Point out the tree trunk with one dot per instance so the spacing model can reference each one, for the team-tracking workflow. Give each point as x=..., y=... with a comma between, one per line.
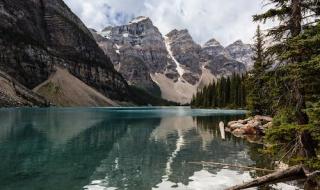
x=301, y=116
x=307, y=145
x=292, y=173
x=296, y=18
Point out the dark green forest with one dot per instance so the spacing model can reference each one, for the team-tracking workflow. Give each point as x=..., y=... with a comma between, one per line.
x=285, y=82
x=226, y=92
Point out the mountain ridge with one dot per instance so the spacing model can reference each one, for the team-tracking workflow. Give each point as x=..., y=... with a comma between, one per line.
x=174, y=59
x=39, y=35
x=123, y=63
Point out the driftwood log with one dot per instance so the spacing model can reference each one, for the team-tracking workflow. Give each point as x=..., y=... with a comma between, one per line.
x=292, y=173
x=222, y=131
x=231, y=166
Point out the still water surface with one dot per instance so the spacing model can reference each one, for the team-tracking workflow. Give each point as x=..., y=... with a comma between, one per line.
x=122, y=148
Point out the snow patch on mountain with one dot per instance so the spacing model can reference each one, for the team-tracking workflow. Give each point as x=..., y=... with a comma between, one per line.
x=180, y=70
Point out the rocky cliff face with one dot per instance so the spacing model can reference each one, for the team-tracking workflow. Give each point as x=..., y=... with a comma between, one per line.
x=213, y=48
x=174, y=63
x=36, y=35
x=218, y=60
x=137, y=50
x=186, y=54
x=108, y=47
x=140, y=38
x=242, y=53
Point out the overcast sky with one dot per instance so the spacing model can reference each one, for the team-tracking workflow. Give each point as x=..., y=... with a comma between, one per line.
x=224, y=20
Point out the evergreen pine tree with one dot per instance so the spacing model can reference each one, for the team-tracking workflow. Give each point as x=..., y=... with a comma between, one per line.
x=291, y=14
x=257, y=100
x=289, y=89
x=228, y=88
x=243, y=92
x=225, y=92
x=233, y=90
x=214, y=95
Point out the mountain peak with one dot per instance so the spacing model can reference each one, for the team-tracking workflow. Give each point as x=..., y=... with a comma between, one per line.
x=177, y=32
x=212, y=42
x=139, y=19
x=241, y=52
x=238, y=42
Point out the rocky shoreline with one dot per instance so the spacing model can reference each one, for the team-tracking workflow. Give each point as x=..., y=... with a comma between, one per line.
x=252, y=128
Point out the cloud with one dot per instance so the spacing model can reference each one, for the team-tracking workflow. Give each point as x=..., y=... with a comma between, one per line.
x=226, y=21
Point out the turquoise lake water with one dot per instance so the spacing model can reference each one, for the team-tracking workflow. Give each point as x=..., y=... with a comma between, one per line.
x=122, y=148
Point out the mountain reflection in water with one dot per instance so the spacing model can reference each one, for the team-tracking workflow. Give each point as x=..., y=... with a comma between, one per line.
x=131, y=148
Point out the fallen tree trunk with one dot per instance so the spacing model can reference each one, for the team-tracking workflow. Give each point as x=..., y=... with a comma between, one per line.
x=232, y=166
x=292, y=173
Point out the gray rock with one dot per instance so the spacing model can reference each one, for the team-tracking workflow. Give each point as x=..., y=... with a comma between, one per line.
x=137, y=51
x=218, y=60
x=136, y=72
x=231, y=123
x=253, y=124
x=142, y=39
x=263, y=118
x=38, y=34
x=250, y=126
x=236, y=126
x=186, y=52
x=213, y=48
x=176, y=55
x=108, y=47
x=239, y=132
x=242, y=53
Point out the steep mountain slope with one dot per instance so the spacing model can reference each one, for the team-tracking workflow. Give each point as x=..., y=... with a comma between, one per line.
x=37, y=35
x=185, y=52
x=138, y=51
x=13, y=94
x=175, y=64
x=63, y=89
x=218, y=60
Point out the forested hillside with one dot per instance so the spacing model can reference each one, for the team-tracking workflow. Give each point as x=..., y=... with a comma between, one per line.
x=227, y=92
